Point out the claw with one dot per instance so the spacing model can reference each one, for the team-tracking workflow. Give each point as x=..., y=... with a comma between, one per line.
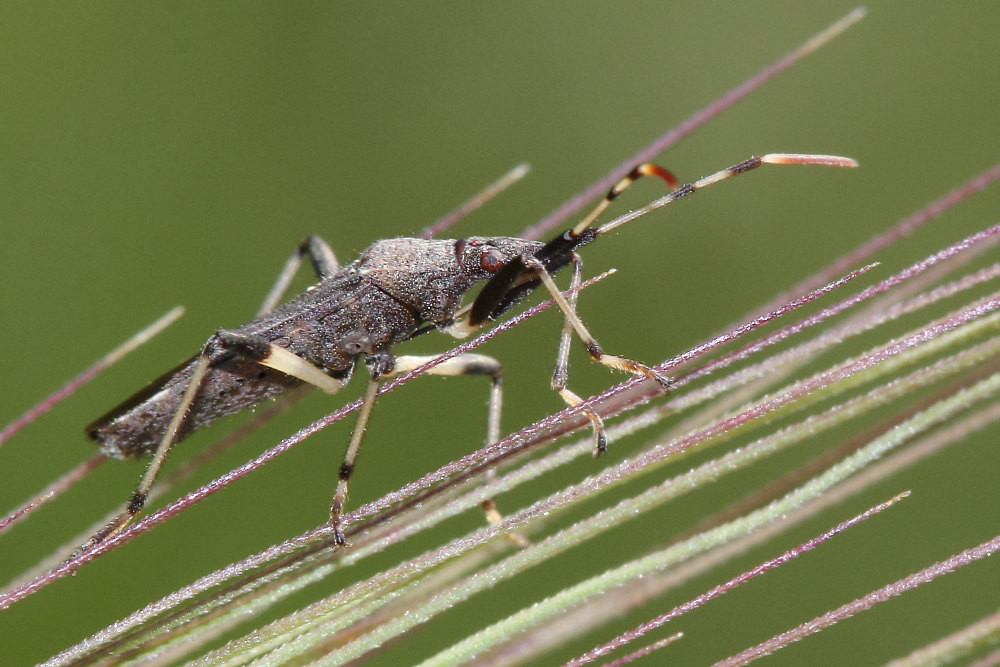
x=642, y=369
x=113, y=527
x=602, y=439
x=662, y=380
x=339, y=538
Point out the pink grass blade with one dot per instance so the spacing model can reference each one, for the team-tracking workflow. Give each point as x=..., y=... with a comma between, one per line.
x=881, y=241
x=53, y=490
x=163, y=486
x=90, y=373
x=630, y=596
x=474, y=202
x=645, y=650
x=558, y=603
x=858, y=605
x=756, y=323
x=735, y=582
x=826, y=313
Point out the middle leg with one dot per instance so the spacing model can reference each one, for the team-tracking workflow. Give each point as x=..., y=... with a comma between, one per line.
x=463, y=364
x=474, y=364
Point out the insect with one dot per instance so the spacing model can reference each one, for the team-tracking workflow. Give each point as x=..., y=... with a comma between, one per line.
x=356, y=314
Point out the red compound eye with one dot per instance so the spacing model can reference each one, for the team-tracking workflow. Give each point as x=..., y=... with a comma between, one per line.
x=491, y=260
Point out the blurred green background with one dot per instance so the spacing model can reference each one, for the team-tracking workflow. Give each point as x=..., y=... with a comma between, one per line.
x=175, y=153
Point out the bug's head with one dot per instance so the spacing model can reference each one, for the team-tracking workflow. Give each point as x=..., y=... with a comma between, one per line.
x=481, y=257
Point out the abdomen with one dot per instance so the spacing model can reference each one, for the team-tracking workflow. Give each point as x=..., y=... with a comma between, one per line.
x=134, y=428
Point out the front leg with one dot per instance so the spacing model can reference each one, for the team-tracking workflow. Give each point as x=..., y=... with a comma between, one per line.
x=462, y=364
x=574, y=323
x=473, y=364
x=594, y=348
x=560, y=374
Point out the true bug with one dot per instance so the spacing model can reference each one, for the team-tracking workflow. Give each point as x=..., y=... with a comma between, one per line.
x=397, y=289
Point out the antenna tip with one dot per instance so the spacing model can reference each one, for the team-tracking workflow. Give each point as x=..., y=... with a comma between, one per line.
x=797, y=158
x=520, y=171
